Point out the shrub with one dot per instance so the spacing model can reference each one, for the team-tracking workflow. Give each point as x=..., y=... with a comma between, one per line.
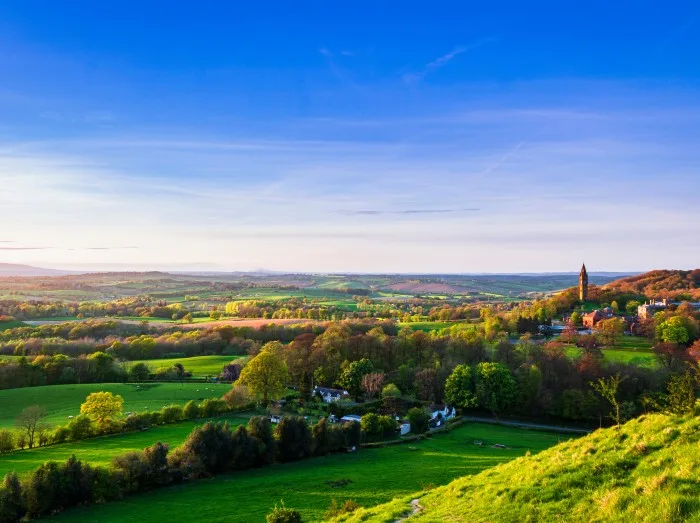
x=283, y=514
x=80, y=427
x=12, y=505
x=171, y=413
x=337, y=509
x=212, y=407
x=190, y=410
x=7, y=442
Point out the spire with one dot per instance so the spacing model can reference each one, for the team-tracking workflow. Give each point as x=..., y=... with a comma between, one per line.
x=583, y=269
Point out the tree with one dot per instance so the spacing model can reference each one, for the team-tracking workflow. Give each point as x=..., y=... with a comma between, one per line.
x=294, y=438
x=611, y=330
x=576, y=319
x=419, y=420
x=459, y=388
x=608, y=388
x=495, y=386
x=681, y=393
x=237, y=397
x=351, y=377
x=426, y=384
x=391, y=391
x=671, y=355
x=139, y=372
x=631, y=306
x=674, y=330
x=372, y=384
x=12, y=503
x=266, y=374
x=29, y=420
x=102, y=407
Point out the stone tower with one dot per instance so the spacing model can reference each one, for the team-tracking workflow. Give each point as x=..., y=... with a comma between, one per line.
x=583, y=284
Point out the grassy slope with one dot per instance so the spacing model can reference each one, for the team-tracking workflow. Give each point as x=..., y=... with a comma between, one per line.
x=100, y=451
x=199, y=366
x=62, y=401
x=646, y=471
x=377, y=476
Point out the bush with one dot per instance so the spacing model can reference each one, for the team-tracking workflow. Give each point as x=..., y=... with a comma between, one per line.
x=212, y=407
x=81, y=427
x=283, y=515
x=171, y=413
x=260, y=428
x=337, y=509
x=12, y=506
x=7, y=442
x=191, y=410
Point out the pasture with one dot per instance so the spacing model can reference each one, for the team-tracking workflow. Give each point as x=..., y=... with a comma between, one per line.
x=100, y=451
x=369, y=477
x=62, y=401
x=199, y=366
x=643, y=358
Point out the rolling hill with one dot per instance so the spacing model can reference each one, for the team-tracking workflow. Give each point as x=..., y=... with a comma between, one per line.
x=645, y=471
x=660, y=284
x=15, y=269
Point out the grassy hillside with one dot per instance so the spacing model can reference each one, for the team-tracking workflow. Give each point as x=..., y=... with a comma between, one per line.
x=62, y=401
x=646, y=471
x=369, y=477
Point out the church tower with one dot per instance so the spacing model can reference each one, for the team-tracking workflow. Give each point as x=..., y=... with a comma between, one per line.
x=583, y=284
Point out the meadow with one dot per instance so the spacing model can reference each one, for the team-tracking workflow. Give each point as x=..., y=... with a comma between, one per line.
x=199, y=366
x=369, y=477
x=62, y=401
x=101, y=450
x=628, y=349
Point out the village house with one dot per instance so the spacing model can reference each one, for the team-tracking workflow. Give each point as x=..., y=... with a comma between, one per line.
x=331, y=395
x=592, y=318
x=439, y=414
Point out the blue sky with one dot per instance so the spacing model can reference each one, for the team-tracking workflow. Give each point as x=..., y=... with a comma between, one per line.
x=309, y=136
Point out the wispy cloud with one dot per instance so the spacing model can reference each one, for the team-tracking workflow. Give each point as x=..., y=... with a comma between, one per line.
x=24, y=248
x=442, y=61
x=374, y=212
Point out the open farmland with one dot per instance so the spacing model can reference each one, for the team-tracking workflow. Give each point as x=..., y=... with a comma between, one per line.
x=373, y=476
x=199, y=366
x=100, y=451
x=62, y=401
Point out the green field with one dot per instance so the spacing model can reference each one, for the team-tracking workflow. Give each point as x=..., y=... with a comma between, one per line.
x=427, y=326
x=375, y=476
x=199, y=366
x=641, y=358
x=100, y=451
x=11, y=325
x=62, y=401
x=629, y=349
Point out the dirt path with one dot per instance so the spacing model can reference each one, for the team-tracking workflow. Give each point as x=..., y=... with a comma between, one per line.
x=415, y=509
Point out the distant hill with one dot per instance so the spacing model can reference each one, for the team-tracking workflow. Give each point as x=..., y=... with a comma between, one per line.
x=13, y=269
x=660, y=284
x=646, y=471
